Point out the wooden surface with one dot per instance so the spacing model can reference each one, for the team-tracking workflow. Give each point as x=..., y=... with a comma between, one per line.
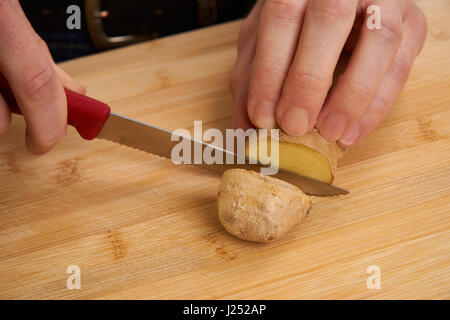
x=140, y=227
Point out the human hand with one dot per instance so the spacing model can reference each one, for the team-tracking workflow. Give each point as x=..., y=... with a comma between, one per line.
x=288, y=51
x=36, y=81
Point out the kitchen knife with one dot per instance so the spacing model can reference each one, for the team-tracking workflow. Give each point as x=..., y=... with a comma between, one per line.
x=94, y=119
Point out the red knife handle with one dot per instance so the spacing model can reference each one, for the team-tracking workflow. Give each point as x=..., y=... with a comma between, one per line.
x=87, y=115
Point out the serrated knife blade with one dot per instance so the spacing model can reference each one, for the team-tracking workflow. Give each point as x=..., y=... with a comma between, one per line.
x=155, y=140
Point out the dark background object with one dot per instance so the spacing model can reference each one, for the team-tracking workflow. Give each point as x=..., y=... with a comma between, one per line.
x=115, y=18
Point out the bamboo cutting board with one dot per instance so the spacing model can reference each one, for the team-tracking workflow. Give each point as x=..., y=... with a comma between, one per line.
x=140, y=227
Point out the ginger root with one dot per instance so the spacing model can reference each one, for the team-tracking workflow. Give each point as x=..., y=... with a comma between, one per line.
x=310, y=155
x=259, y=208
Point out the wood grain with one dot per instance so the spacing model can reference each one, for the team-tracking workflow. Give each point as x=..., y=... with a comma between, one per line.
x=140, y=227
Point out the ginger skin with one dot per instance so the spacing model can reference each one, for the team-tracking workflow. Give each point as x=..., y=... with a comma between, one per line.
x=259, y=208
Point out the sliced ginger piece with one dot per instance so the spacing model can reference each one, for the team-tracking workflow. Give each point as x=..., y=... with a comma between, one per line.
x=310, y=155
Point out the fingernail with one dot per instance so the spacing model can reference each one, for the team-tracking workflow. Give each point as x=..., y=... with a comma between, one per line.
x=295, y=121
x=351, y=137
x=265, y=115
x=332, y=127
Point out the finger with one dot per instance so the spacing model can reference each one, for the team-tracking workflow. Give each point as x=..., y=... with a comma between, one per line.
x=357, y=87
x=327, y=25
x=353, y=37
x=240, y=83
x=34, y=82
x=66, y=80
x=248, y=32
x=239, y=78
x=5, y=115
x=394, y=80
x=278, y=34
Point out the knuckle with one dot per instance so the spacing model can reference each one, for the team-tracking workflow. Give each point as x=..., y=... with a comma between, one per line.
x=307, y=88
x=39, y=83
x=378, y=109
x=48, y=140
x=266, y=73
x=421, y=24
x=401, y=67
x=422, y=21
x=380, y=103
x=265, y=86
x=285, y=10
x=391, y=28
x=358, y=89
x=419, y=18
x=312, y=80
x=331, y=11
